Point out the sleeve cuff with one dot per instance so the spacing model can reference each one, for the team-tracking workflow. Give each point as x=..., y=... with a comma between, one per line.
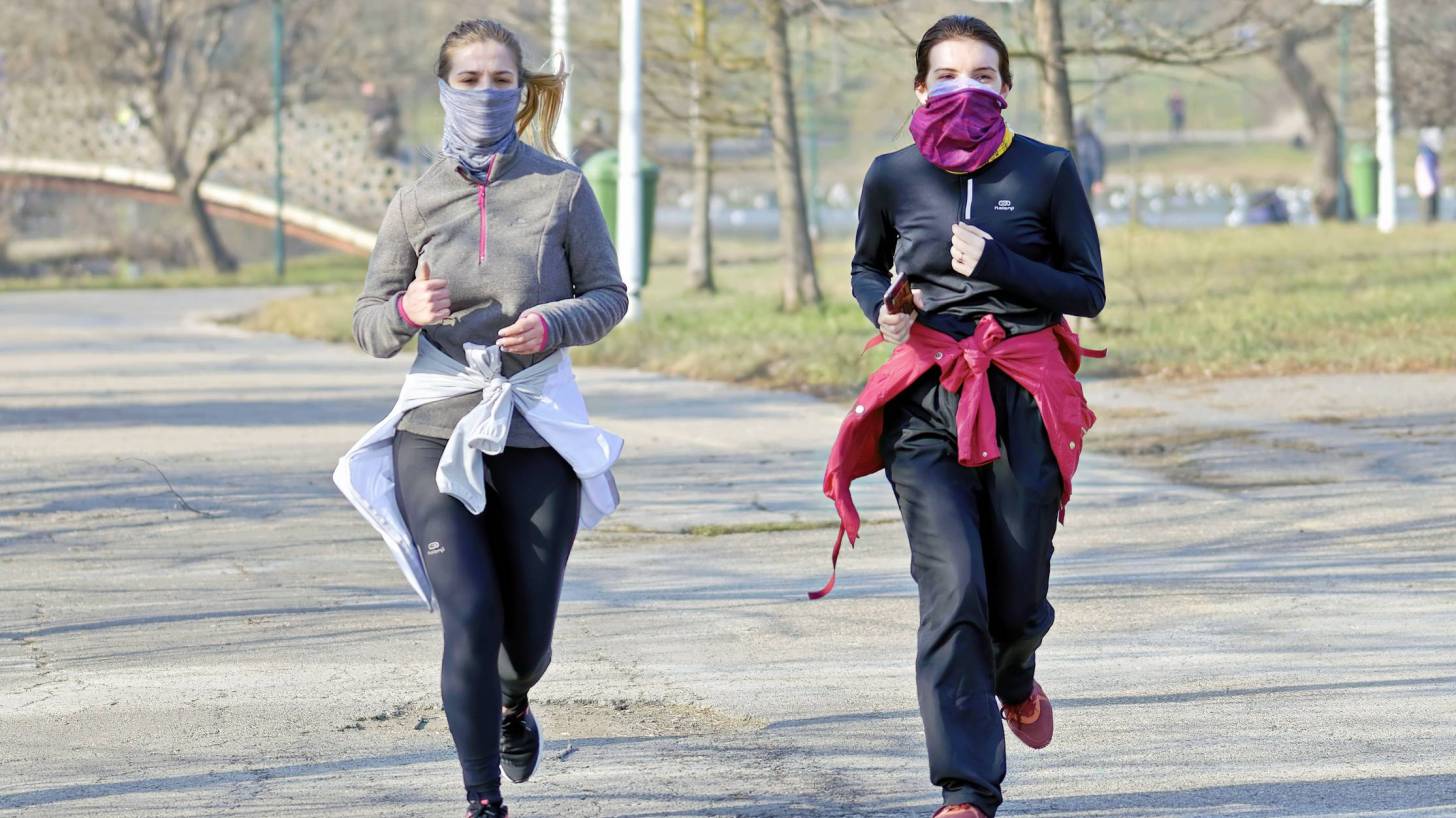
x=399, y=311
x=546, y=333
x=986, y=269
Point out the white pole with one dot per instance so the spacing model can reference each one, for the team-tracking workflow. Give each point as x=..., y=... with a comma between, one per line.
x=629, y=152
x=560, y=44
x=1384, y=118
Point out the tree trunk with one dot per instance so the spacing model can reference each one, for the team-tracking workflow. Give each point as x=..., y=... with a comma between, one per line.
x=1323, y=125
x=207, y=245
x=801, y=285
x=700, y=235
x=1056, y=92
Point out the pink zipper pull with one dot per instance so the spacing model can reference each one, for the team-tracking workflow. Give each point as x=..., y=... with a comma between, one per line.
x=480, y=203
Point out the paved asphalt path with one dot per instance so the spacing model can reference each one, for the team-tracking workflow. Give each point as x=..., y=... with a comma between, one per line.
x=1256, y=595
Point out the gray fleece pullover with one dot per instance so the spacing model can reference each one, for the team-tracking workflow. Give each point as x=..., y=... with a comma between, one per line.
x=533, y=238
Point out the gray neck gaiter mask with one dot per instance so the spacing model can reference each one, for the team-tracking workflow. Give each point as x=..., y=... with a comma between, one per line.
x=479, y=123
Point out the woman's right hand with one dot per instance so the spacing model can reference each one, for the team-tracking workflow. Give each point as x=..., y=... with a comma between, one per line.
x=895, y=326
x=426, y=301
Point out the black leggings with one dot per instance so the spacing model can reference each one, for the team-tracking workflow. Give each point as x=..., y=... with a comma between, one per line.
x=980, y=552
x=497, y=580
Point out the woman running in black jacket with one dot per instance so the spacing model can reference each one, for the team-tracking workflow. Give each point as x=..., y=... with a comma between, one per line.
x=994, y=232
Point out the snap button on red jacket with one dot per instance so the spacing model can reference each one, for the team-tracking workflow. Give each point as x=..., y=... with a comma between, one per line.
x=1044, y=363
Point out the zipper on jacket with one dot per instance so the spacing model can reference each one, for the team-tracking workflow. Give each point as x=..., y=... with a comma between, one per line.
x=480, y=203
x=970, y=196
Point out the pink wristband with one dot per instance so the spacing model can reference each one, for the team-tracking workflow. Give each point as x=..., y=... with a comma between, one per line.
x=399, y=308
x=545, y=329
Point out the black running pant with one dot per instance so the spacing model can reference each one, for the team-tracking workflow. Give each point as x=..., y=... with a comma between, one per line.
x=497, y=580
x=980, y=549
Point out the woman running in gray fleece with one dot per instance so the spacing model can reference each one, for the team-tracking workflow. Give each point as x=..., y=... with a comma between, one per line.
x=498, y=258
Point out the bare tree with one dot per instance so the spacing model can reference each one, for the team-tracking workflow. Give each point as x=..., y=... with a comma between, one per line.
x=1314, y=101
x=1425, y=61
x=1056, y=90
x=720, y=105
x=703, y=52
x=196, y=74
x=725, y=87
x=700, y=235
x=720, y=85
x=801, y=283
x=1274, y=28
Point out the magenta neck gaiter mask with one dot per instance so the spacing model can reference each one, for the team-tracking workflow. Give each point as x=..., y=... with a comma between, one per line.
x=959, y=128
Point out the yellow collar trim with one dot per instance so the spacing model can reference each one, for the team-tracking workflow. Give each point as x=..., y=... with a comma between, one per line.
x=1005, y=143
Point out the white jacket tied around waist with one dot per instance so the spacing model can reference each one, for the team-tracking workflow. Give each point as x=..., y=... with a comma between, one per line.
x=546, y=394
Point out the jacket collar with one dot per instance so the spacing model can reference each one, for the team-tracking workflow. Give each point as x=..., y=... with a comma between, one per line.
x=498, y=166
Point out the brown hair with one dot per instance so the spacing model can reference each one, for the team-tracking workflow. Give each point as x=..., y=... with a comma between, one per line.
x=960, y=27
x=541, y=107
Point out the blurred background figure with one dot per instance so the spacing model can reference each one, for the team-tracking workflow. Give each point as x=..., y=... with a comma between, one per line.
x=1177, y=113
x=1266, y=207
x=381, y=115
x=1091, y=158
x=593, y=137
x=1428, y=172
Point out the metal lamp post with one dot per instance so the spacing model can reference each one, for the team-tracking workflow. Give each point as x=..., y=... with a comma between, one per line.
x=1343, y=209
x=279, y=258
x=629, y=154
x=1384, y=117
x=561, y=44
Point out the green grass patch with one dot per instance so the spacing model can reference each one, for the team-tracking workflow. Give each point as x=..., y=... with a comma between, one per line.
x=319, y=269
x=768, y=527
x=726, y=529
x=1279, y=300
x=1274, y=300
x=327, y=314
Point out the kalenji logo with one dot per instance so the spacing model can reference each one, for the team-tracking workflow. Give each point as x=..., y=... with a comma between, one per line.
x=434, y=548
x=1005, y=204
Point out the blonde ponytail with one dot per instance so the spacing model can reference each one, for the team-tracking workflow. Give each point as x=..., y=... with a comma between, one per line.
x=541, y=107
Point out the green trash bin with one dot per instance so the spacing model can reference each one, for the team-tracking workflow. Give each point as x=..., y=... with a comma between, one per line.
x=1363, y=173
x=601, y=171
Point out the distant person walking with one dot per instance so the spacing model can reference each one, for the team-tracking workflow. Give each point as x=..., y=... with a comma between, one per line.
x=381, y=116
x=1177, y=113
x=496, y=259
x=1428, y=172
x=977, y=418
x=1091, y=159
x=592, y=138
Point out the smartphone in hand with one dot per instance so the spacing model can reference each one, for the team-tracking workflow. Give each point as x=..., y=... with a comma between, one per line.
x=898, y=298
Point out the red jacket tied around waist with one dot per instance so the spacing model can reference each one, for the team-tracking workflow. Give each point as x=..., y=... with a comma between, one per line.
x=1044, y=363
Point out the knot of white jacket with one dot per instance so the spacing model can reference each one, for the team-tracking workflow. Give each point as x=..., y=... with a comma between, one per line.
x=483, y=431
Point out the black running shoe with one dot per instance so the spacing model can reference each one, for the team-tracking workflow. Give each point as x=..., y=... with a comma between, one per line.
x=484, y=809
x=520, y=744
